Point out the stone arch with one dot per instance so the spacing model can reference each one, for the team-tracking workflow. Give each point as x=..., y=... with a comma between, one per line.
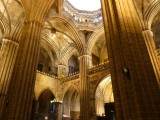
x=48, y=46
x=47, y=49
x=47, y=39
x=45, y=89
x=103, y=95
x=44, y=106
x=6, y=27
x=17, y=29
x=99, y=81
x=70, y=30
x=155, y=27
x=67, y=53
x=94, y=37
x=71, y=103
x=47, y=59
x=40, y=92
x=150, y=13
x=68, y=87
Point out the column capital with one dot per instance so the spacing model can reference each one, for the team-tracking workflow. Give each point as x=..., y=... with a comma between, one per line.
x=84, y=56
x=148, y=31
x=62, y=65
x=8, y=53
x=5, y=45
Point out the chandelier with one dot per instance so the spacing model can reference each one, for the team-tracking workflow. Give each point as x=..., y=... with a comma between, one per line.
x=55, y=101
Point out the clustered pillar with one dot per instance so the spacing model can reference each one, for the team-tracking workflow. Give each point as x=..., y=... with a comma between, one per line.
x=93, y=108
x=20, y=93
x=85, y=62
x=8, y=55
x=34, y=111
x=21, y=89
x=135, y=86
x=148, y=36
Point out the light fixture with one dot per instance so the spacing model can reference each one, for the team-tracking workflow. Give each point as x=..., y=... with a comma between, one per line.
x=126, y=72
x=55, y=101
x=46, y=117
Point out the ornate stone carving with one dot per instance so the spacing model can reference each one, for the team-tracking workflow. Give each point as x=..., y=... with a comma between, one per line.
x=69, y=78
x=98, y=68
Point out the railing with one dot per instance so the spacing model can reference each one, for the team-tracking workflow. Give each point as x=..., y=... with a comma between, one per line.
x=98, y=68
x=47, y=74
x=70, y=77
x=93, y=70
x=74, y=76
x=82, y=25
x=88, y=20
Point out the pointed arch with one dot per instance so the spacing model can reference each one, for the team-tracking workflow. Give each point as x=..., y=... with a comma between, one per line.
x=94, y=37
x=151, y=12
x=68, y=53
x=103, y=94
x=70, y=30
x=71, y=102
x=17, y=30
x=46, y=47
x=37, y=95
x=51, y=45
x=102, y=78
x=67, y=88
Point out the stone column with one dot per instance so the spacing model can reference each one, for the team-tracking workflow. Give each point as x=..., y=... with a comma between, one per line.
x=148, y=36
x=62, y=71
x=8, y=55
x=93, y=108
x=158, y=57
x=21, y=89
x=35, y=106
x=84, y=62
x=131, y=68
x=59, y=112
x=111, y=57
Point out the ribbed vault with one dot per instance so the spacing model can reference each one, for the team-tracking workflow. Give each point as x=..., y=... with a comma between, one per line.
x=151, y=12
x=68, y=28
x=94, y=38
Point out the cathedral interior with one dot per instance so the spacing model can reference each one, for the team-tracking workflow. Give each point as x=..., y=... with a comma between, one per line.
x=79, y=60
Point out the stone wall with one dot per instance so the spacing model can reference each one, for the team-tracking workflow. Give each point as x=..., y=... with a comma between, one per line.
x=45, y=82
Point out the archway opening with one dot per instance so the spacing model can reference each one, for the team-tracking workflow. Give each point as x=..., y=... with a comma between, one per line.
x=71, y=104
x=45, y=109
x=105, y=100
x=46, y=63
x=73, y=64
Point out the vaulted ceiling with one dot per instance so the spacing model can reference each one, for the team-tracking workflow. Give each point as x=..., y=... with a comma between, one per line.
x=61, y=36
